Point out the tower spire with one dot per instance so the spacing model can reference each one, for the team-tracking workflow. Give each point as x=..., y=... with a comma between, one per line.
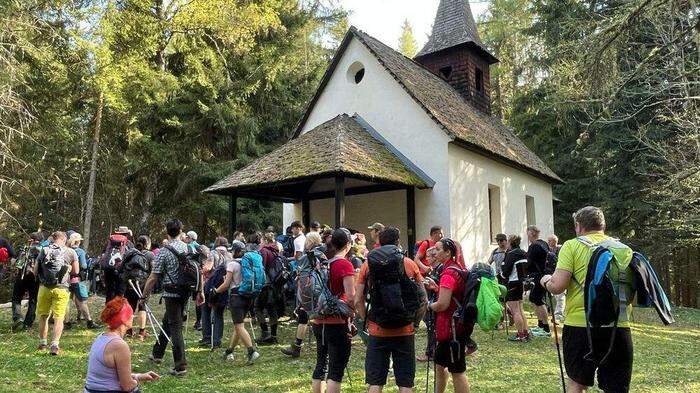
x=454, y=25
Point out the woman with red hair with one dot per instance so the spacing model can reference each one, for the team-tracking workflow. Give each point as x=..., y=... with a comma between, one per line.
x=109, y=362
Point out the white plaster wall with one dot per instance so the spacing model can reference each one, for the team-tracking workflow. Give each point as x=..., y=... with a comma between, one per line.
x=383, y=103
x=470, y=175
x=290, y=212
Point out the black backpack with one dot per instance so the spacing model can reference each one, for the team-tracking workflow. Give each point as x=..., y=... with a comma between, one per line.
x=188, y=277
x=394, y=298
x=52, y=267
x=217, y=278
x=467, y=312
x=133, y=267
x=278, y=271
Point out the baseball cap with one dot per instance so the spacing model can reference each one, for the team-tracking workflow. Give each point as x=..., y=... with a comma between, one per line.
x=192, y=235
x=237, y=245
x=377, y=226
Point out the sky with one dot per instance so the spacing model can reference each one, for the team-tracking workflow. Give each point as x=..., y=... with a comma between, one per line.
x=382, y=19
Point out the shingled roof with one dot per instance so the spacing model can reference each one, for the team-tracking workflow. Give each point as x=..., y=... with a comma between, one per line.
x=468, y=126
x=454, y=25
x=342, y=145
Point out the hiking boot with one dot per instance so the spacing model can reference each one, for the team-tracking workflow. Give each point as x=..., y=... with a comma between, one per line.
x=252, y=357
x=293, y=351
x=17, y=324
x=42, y=347
x=266, y=339
x=155, y=359
x=471, y=346
x=55, y=350
x=92, y=325
x=542, y=333
x=178, y=373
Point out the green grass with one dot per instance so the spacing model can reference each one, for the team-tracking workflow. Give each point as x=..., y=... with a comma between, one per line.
x=666, y=360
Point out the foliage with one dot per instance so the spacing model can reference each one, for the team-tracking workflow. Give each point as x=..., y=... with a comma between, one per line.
x=407, y=41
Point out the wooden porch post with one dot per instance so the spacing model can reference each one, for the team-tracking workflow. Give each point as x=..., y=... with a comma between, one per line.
x=411, y=219
x=232, y=215
x=339, y=201
x=305, y=213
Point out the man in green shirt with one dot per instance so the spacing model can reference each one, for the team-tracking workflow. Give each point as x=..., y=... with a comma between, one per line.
x=615, y=373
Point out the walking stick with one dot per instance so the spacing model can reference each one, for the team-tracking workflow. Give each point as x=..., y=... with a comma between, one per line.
x=556, y=340
x=149, y=313
x=138, y=292
x=427, y=365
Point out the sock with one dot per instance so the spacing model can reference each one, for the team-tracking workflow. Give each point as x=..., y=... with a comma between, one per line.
x=54, y=343
x=298, y=342
x=43, y=341
x=273, y=330
x=545, y=327
x=263, y=327
x=141, y=330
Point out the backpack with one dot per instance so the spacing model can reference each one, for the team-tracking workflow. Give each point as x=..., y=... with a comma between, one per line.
x=4, y=255
x=112, y=261
x=215, y=280
x=606, y=290
x=253, y=276
x=488, y=305
x=466, y=312
x=313, y=294
x=393, y=297
x=188, y=277
x=133, y=267
x=52, y=267
x=287, y=245
x=278, y=271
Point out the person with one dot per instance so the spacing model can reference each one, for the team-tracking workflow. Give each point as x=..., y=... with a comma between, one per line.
x=240, y=236
x=165, y=270
x=109, y=360
x=315, y=227
x=119, y=243
x=615, y=374
x=136, y=268
x=267, y=302
x=537, y=254
x=56, y=264
x=299, y=238
x=374, y=231
x=239, y=305
x=26, y=282
x=333, y=332
x=190, y=238
x=78, y=289
x=432, y=293
x=513, y=271
x=7, y=255
x=388, y=344
x=313, y=240
x=450, y=352
x=497, y=257
x=560, y=299
x=420, y=259
x=213, y=312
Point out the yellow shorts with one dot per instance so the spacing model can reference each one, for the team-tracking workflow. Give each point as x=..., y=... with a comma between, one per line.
x=54, y=300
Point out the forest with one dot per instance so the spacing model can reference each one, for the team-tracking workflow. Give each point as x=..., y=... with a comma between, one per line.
x=119, y=112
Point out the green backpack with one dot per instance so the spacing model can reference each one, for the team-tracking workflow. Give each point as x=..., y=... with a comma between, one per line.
x=489, y=307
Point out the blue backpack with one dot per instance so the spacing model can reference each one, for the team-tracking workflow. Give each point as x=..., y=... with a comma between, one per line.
x=217, y=278
x=253, y=276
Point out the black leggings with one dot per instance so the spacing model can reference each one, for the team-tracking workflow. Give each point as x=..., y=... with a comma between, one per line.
x=302, y=316
x=332, y=351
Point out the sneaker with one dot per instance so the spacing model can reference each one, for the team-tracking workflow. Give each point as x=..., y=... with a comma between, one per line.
x=542, y=333
x=178, y=373
x=155, y=359
x=129, y=333
x=228, y=354
x=67, y=325
x=268, y=340
x=252, y=358
x=55, y=350
x=17, y=324
x=92, y=325
x=471, y=347
x=515, y=338
x=293, y=350
x=536, y=329
x=42, y=347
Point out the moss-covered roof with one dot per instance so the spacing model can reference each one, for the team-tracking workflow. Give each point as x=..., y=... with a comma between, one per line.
x=339, y=146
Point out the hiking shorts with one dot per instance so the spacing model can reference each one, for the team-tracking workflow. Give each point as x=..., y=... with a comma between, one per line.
x=615, y=374
x=445, y=356
x=333, y=348
x=52, y=300
x=401, y=350
x=515, y=291
x=239, y=306
x=537, y=294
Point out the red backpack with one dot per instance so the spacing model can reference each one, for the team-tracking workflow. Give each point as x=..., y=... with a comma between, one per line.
x=4, y=255
x=113, y=257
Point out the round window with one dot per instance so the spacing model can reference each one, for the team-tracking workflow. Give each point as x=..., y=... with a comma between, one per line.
x=356, y=72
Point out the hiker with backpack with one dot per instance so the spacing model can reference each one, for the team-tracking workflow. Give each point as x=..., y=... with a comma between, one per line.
x=513, y=271
x=334, y=291
x=432, y=289
x=119, y=242
x=420, y=258
x=7, y=255
x=26, y=282
x=190, y=238
x=452, y=336
x=299, y=239
x=537, y=254
x=267, y=302
x=394, y=285
x=552, y=258
x=136, y=268
x=179, y=276
x=54, y=268
x=374, y=231
x=240, y=285
x=213, y=307
x=313, y=248
x=77, y=287
x=608, y=350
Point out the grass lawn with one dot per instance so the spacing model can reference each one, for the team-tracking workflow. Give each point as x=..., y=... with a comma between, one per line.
x=667, y=359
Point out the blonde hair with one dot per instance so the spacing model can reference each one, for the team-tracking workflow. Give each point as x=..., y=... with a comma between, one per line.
x=313, y=239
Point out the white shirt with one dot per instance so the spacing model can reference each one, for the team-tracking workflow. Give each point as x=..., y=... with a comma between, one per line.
x=299, y=242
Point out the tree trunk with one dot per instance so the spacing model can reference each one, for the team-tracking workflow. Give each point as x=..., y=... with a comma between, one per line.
x=89, y=199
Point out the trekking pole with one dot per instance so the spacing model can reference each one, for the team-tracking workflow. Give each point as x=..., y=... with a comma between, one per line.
x=556, y=340
x=252, y=328
x=427, y=366
x=506, y=319
x=149, y=313
x=137, y=289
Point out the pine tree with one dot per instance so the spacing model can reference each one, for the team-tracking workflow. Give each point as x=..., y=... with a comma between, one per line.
x=407, y=41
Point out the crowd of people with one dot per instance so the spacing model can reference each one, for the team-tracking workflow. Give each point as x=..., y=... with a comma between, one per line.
x=329, y=280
